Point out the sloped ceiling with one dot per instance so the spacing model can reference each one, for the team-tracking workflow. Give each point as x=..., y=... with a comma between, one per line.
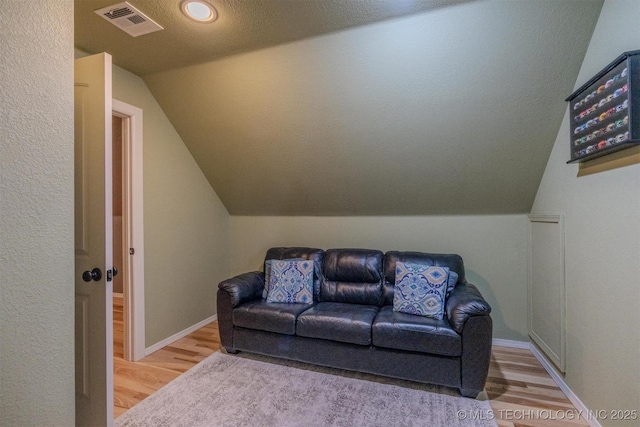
x=242, y=25
x=449, y=111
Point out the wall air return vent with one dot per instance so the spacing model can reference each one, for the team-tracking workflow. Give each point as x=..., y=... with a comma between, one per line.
x=129, y=19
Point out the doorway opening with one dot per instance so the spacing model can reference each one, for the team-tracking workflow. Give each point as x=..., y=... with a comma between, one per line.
x=128, y=226
x=118, y=250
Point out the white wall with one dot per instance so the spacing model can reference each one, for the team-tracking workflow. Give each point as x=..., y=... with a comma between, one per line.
x=186, y=226
x=601, y=204
x=493, y=248
x=36, y=214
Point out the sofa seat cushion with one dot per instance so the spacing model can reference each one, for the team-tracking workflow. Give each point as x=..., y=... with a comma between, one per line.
x=336, y=321
x=269, y=316
x=403, y=331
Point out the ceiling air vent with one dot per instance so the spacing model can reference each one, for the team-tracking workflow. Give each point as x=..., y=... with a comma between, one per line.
x=129, y=19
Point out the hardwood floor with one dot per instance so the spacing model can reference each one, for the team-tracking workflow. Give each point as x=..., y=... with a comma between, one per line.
x=520, y=391
x=134, y=381
x=522, y=394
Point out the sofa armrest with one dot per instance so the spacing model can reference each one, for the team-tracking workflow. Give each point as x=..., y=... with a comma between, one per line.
x=468, y=314
x=243, y=288
x=231, y=293
x=464, y=302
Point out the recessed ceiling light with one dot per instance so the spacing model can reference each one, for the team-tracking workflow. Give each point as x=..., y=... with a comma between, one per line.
x=199, y=10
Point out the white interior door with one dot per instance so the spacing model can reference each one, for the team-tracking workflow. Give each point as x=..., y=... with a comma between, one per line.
x=93, y=241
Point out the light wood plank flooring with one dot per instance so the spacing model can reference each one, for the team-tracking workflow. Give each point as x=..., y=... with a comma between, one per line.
x=517, y=386
x=134, y=381
x=522, y=394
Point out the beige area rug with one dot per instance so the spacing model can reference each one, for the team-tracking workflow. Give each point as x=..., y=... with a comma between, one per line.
x=250, y=390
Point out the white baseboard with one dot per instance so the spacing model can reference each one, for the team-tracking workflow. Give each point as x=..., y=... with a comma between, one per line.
x=580, y=406
x=510, y=343
x=175, y=337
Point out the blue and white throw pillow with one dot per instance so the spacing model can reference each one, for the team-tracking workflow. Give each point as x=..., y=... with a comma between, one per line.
x=291, y=282
x=267, y=274
x=420, y=289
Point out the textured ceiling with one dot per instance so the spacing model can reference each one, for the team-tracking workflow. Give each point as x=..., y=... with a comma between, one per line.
x=449, y=111
x=242, y=25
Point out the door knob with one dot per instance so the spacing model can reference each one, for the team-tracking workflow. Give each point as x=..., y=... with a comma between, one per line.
x=94, y=274
x=115, y=271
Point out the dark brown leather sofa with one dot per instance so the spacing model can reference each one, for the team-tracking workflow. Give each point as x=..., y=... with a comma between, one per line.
x=351, y=323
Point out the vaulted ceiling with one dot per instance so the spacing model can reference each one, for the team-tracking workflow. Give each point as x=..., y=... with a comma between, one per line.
x=371, y=107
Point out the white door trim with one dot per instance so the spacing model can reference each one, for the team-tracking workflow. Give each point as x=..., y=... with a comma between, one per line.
x=133, y=230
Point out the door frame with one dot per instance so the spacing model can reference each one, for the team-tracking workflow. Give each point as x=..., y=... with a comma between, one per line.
x=132, y=230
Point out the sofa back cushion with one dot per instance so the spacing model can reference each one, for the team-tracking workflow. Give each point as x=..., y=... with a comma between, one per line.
x=352, y=276
x=452, y=261
x=311, y=254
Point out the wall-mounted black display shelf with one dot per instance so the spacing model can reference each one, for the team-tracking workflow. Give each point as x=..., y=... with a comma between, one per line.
x=605, y=111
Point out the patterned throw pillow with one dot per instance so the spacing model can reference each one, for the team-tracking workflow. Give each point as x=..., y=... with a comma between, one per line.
x=267, y=274
x=420, y=289
x=291, y=282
